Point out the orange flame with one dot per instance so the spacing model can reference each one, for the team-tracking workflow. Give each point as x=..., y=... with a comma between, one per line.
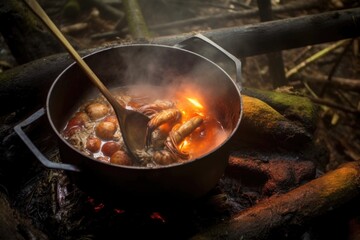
x=183, y=144
x=195, y=102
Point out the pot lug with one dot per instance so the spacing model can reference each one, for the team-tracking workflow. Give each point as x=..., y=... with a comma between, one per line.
x=44, y=160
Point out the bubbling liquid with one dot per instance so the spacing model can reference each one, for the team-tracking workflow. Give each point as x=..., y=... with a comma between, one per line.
x=192, y=130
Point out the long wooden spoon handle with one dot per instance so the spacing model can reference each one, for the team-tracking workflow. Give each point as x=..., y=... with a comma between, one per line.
x=39, y=11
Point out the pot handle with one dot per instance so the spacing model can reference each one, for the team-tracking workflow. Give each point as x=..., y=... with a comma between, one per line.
x=192, y=44
x=46, y=162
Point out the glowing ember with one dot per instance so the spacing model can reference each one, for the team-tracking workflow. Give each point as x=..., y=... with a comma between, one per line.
x=99, y=207
x=118, y=211
x=157, y=216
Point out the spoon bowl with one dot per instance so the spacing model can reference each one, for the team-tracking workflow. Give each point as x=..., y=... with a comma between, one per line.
x=132, y=124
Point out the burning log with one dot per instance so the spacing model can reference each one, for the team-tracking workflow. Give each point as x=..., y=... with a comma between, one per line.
x=294, y=208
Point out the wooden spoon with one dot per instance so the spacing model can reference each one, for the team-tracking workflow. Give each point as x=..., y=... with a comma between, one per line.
x=133, y=124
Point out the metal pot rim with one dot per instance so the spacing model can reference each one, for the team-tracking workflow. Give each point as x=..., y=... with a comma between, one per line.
x=59, y=77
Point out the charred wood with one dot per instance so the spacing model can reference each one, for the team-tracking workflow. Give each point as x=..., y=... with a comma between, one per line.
x=303, y=204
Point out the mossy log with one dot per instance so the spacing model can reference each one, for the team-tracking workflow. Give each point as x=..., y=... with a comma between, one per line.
x=275, y=36
x=295, y=108
x=264, y=127
x=24, y=34
x=301, y=205
x=26, y=86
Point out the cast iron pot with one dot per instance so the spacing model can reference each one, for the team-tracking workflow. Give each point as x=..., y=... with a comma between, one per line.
x=155, y=65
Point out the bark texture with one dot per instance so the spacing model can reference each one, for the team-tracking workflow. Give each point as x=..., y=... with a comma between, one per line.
x=294, y=208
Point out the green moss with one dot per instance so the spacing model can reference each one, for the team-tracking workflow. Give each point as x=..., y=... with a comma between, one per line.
x=136, y=23
x=71, y=9
x=7, y=76
x=260, y=113
x=30, y=19
x=265, y=127
x=295, y=108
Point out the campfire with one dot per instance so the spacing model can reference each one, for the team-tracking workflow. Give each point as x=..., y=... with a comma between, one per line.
x=237, y=159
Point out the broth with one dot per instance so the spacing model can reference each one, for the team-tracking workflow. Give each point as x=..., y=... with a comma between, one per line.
x=182, y=126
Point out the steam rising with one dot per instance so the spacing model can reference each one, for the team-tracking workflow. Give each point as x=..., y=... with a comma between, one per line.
x=157, y=72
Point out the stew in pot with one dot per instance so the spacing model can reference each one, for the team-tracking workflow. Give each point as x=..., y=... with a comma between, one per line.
x=181, y=126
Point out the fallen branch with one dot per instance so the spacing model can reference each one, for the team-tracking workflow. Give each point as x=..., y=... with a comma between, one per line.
x=335, y=66
x=338, y=82
x=315, y=57
x=275, y=35
x=294, y=208
x=334, y=105
x=214, y=19
x=283, y=34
